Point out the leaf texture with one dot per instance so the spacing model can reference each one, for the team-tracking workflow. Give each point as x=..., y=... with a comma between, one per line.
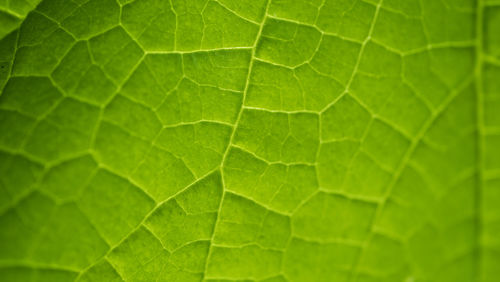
x=250, y=140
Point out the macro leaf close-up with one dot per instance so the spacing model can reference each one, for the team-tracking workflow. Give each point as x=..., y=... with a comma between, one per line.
x=250, y=140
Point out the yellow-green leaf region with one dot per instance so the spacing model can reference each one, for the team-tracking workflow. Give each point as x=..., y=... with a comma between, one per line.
x=250, y=140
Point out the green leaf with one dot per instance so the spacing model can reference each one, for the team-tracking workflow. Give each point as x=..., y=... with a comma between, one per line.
x=13, y=12
x=249, y=140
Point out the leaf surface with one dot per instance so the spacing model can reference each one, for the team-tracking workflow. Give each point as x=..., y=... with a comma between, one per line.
x=263, y=140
